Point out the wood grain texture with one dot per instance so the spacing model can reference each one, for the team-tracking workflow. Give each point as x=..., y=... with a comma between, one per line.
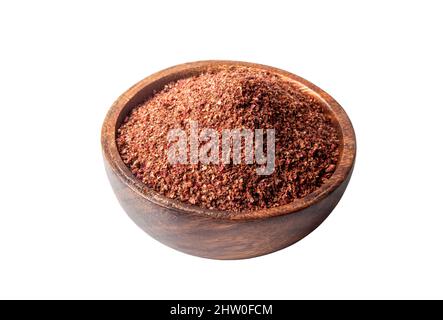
x=218, y=234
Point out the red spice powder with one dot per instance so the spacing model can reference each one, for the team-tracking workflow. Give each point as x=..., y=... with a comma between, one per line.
x=306, y=147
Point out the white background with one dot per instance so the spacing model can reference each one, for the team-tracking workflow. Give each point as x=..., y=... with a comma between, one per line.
x=62, y=231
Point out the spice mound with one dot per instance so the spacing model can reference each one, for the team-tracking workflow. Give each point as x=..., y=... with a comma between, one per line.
x=305, y=146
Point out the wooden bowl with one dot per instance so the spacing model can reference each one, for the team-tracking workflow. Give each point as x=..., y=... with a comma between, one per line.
x=218, y=234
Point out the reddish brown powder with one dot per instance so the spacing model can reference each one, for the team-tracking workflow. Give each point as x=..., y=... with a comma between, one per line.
x=306, y=149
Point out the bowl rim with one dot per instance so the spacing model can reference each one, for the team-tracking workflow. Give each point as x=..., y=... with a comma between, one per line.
x=112, y=156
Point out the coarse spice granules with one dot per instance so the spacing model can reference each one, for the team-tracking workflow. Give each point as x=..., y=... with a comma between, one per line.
x=306, y=144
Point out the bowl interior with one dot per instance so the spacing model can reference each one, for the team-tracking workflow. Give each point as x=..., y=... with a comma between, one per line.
x=146, y=88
